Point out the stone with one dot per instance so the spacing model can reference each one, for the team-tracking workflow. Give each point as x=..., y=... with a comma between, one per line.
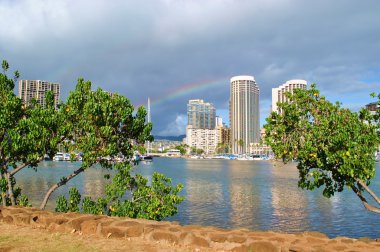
x=237, y=239
x=263, y=246
x=242, y=248
x=21, y=219
x=88, y=227
x=199, y=241
x=174, y=230
x=218, y=238
x=278, y=239
x=339, y=248
x=116, y=232
x=8, y=219
x=316, y=234
x=135, y=230
x=126, y=223
x=159, y=236
x=346, y=241
x=313, y=240
x=76, y=222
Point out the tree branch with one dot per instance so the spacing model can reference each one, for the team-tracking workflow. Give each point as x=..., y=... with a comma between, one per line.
x=22, y=166
x=57, y=185
x=364, y=185
x=364, y=201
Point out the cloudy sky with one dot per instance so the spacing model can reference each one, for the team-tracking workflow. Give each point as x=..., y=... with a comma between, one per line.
x=176, y=50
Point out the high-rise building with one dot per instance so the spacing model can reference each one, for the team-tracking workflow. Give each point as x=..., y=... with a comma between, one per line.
x=278, y=94
x=200, y=130
x=244, y=113
x=29, y=89
x=200, y=114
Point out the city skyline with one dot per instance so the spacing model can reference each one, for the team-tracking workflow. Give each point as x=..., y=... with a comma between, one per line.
x=173, y=51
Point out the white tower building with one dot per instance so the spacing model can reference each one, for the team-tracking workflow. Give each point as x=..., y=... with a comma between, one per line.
x=244, y=113
x=278, y=94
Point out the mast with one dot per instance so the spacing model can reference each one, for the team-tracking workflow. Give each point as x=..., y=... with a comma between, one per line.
x=148, y=144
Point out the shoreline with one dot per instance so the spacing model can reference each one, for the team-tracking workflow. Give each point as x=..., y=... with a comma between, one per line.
x=179, y=237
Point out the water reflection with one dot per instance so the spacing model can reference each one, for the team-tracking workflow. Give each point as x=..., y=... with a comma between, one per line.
x=228, y=194
x=244, y=195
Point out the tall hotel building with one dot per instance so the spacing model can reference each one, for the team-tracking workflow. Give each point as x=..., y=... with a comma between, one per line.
x=278, y=94
x=244, y=113
x=29, y=89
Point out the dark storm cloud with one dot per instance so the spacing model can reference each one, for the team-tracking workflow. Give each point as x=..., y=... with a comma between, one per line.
x=150, y=48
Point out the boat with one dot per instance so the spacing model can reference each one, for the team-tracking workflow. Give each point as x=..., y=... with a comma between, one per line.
x=146, y=159
x=66, y=157
x=58, y=157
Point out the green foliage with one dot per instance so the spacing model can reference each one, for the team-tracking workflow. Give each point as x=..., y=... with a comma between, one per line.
x=24, y=201
x=71, y=205
x=61, y=204
x=154, y=202
x=334, y=147
x=27, y=133
x=75, y=198
x=130, y=196
x=94, y=207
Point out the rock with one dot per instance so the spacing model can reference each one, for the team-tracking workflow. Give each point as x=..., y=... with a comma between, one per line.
x=316, y=234
x=237, y=239
x=263, y=246
x=8, y=219
x=199, y=241
x=135, y=230
x=78, y=219
x=339, y=248
x=218, y=238
x=88, y=227
x=116, y=232
x=173, y=229
x=313, y=240
x=159, y=236
x=126, y=223
x=21, y=219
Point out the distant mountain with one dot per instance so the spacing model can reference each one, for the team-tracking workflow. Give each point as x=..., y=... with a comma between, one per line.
x=170, y=138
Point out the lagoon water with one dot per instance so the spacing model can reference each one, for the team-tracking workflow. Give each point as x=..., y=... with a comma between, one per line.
x=258, y=195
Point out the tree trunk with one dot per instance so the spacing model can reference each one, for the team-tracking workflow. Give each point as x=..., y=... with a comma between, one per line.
x=10, y=189
x=3, y=194
x=57, y=185
x=364, y=201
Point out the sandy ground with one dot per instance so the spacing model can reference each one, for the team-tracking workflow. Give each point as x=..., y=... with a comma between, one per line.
x=17, y=238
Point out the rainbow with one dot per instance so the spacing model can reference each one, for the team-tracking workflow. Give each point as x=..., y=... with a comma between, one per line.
x=189, y=88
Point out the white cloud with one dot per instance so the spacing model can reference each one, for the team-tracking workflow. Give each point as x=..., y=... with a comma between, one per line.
x=176, y=127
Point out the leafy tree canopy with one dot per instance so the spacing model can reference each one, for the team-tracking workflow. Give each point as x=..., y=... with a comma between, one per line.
x=333, y=146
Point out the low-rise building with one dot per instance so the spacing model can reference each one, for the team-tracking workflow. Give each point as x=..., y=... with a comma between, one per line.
x=205, y=139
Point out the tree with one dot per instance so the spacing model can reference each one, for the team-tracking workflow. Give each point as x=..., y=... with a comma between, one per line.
x=27, y=133
x=334, y=147
x=101, y=126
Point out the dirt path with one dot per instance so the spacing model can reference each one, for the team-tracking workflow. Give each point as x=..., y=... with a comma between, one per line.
x=18, y=238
